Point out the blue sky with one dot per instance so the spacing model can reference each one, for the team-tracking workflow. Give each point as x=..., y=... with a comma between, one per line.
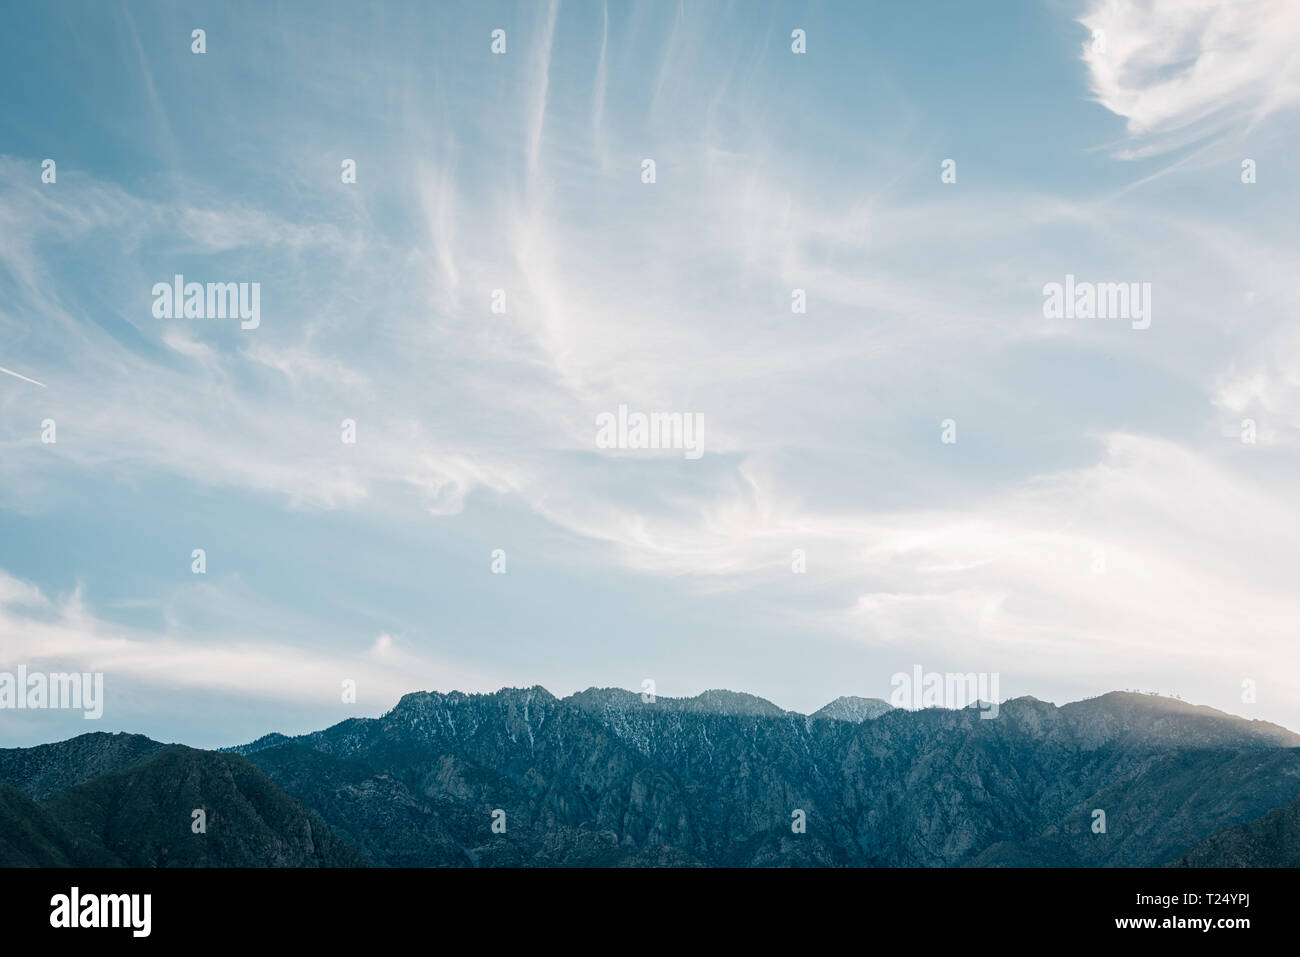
x=1098, y=524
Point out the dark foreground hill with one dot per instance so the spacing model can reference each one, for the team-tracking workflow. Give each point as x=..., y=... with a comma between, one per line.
x=1271, y=841
x=30, y=837
x=142, y=815
x=607, y=778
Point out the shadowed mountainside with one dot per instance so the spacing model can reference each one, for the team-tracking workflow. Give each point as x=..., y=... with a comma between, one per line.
x=141, y=814
x=1271, y=841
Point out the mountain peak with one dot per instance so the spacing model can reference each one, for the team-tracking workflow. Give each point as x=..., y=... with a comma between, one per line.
x=722, y=701
x=1146, y=719
x=854, y=709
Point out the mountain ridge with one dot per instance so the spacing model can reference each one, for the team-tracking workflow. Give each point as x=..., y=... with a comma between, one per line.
x=605, y=777
x=723, y=701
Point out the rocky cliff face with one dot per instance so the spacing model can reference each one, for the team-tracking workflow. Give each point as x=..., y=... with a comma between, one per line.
x=607, y=778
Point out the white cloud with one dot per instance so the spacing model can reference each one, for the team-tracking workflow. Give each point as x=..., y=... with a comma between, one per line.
x=63, y=634
x=1178, y=70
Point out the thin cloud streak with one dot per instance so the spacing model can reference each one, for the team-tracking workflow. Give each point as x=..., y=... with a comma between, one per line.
x=23, y=377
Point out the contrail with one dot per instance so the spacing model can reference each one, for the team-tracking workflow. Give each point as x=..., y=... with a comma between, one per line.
x=23, y=377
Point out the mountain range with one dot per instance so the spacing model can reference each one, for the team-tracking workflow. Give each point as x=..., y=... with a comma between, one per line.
x=607, y=777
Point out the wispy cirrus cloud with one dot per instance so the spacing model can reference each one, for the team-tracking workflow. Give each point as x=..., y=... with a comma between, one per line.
x=476, y=429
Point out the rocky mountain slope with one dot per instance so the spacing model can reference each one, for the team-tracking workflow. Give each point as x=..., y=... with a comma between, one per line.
x=853, y=709
x=45, y=770
x=609, y=778
x=720, y=787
